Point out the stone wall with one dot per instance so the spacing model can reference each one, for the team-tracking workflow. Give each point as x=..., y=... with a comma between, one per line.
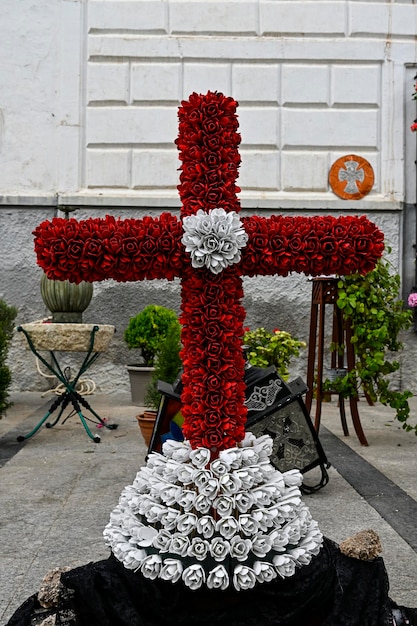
x=88, y=118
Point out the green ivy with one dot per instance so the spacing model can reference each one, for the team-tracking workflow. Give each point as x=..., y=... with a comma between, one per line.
x=7, y=315
x=376, y=314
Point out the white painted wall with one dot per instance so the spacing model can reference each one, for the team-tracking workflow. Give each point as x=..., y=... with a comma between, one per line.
x=89, y=91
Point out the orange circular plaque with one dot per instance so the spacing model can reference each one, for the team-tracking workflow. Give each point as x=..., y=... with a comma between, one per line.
x=351, y=177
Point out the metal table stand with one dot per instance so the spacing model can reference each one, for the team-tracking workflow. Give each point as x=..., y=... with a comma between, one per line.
x=70, y=395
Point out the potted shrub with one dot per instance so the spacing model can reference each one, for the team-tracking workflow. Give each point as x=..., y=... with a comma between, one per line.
x=265, y=348
x=167, y=368
x=147, y=331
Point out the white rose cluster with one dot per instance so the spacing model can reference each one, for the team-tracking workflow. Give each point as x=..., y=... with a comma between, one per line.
x=233, y=521
x=214, y=239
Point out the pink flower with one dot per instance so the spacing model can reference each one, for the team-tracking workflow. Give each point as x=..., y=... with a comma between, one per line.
x=412, y=298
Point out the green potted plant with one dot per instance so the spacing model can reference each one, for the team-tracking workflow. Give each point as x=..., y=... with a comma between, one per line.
x=377, y=315
x=7, y=315
x=167, y=367
x=267, y=348
x=147, y=331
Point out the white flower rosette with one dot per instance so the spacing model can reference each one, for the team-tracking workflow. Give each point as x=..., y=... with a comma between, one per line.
x=214, y=239
x=234, y=521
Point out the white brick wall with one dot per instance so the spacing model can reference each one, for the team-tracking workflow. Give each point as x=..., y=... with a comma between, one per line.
x=309, y=89
x=314, y=79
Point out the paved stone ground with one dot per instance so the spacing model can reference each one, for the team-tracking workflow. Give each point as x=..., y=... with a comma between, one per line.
x=57, y=490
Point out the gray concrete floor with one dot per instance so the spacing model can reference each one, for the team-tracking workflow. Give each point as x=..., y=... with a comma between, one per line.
x=57, y=490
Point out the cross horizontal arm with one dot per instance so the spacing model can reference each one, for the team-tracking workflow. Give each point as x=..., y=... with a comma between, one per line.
x=310, y=245
x=100, y=248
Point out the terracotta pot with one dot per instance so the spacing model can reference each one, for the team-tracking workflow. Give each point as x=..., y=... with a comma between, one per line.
x=146, y=422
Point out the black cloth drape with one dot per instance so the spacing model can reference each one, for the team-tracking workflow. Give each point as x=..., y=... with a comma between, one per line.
x=333, y=590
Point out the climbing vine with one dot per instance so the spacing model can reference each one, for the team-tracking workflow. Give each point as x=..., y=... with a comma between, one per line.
x=371, y=303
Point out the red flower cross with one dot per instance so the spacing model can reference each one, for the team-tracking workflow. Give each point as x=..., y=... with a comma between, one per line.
x=212, y=314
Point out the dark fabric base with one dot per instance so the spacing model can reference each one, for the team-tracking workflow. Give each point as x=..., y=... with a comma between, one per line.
x=334, y=590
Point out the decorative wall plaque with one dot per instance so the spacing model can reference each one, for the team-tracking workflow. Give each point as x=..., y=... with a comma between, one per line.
x=351, y=177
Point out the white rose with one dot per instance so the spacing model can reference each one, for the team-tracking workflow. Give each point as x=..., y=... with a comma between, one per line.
x=162, y=540
x=261, y=545
x=154, y=461
x=211, y=488
x=171, y=470
x=145, y=503
x=169, y=518
x=239, y=548
x=218, y=578
x=144, y=536
x=134, y=505
x=223, y=505
x=134, y=558
x=151, y=566
x=264, y=572
x=206, y=526
x=248, y=440
x=120, y=550
x=200, y=457
x=245, y=477
x=186, y=499
x=177, y=450
x=284, y=565
x=219, y=548
x=269, y=471
x=219, y=467
x=292, y=495
x=141, y=484
x=243, y=577
x=249, y=456
x=155, y=512
x=179, y=544
x=171, y=570
x=244, y=501
x=293, y=477
x=248, y=525
x=203, y=503
x=232, y=457
x=170, y=494
x=264, y=517
x=263, y=446
x=201, y=478
x=186, y=523
x=299, y=555
x=227, y=526
x=198, y=548
x=284, y=511
x=182, y=455
x=112, y=535
x=256, y=473
x=264, y=495
x=230, y=484
x=194, y=576
x=279, y=540
x=293, y=532
x=185, y=474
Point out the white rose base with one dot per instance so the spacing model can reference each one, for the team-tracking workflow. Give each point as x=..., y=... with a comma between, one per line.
x=233, y=521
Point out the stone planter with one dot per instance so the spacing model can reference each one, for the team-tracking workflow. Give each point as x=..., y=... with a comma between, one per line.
x=68, y=337
x=140, y=377
x=146, y=422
